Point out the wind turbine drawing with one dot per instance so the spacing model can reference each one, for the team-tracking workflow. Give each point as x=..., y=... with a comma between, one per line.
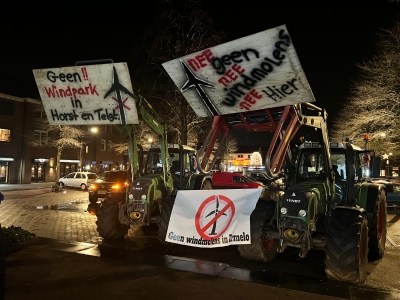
x=117, y=87
x=197, y=83
x=215, y=212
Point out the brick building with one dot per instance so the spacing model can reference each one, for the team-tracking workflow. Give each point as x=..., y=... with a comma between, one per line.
x=22, y=163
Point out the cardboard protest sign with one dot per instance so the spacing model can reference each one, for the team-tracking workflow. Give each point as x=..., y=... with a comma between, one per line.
x=85, y=95
x=212, y=218
x=255, y=72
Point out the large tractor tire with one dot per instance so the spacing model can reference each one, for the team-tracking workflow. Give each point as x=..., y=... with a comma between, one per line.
x=377, y=229
x=346, y=250
x=165, y=215
x=108, y=225
x=260, y=250
x=92, y=199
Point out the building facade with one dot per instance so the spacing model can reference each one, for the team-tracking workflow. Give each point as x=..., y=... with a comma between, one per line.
x=21, y=162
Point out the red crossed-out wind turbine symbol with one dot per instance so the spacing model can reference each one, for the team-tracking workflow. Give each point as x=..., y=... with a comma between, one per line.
x=215, y=212
x=123, y=103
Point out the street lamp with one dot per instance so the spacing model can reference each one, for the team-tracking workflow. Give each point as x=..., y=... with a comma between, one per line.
x=94, y=130
x=386, y=156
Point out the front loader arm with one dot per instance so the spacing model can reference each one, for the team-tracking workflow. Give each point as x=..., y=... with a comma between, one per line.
x=157, y=125
x=135, y=158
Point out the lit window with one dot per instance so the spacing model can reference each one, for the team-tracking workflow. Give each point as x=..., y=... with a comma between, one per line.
x=5, y=135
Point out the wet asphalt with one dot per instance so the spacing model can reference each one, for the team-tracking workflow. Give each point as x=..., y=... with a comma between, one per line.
x=69, y=259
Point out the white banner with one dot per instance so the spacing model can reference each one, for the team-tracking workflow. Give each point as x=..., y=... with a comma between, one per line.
x=255, y=72
x=87, y=95
x=212, y=218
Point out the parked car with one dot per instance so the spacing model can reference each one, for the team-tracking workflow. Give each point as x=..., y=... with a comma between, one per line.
x=234, y=180
x=111, y=183
x=381, y=179
x=392, y=193
x=78, y=180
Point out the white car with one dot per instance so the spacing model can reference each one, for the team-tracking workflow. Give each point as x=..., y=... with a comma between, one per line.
x=78, y=180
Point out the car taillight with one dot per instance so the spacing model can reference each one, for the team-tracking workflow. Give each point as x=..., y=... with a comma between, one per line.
x=116, y=186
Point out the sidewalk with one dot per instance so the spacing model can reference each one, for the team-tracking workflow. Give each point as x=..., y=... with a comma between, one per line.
x=26, y=186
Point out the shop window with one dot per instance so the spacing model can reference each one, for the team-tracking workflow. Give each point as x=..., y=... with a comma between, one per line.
x=41, y=137
x=5, y=135
x=109, y=148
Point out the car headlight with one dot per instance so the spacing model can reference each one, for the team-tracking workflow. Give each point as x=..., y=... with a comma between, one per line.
x=302, y=213
x=283, y=210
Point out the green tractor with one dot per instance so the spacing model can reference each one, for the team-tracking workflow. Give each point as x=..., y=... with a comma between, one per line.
x=326, y=203
x=150, y=195
x=346, y=216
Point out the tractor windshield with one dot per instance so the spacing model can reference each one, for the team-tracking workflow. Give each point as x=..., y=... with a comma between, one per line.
x=310, y=164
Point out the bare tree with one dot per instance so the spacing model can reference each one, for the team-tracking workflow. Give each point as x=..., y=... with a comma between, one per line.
x=181, y=29
x=255, y=159
x=373, y=107
x=144, y=136
x=60, y=137
x=228, y=147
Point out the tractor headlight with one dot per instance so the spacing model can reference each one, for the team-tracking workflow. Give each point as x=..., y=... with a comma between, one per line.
x=283, y=210
x=144, y=197
x=302, y=213
x=130, y=196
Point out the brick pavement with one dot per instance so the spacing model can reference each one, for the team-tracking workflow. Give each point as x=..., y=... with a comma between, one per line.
x=20, y=209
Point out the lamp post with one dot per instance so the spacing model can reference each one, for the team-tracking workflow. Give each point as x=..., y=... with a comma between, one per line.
x=386, y=156
x=94, y=130
x=81, y=155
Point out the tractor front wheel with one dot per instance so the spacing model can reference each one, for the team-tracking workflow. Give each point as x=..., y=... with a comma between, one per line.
x=378, y=229
x=166, y=211
x=108, y=224
x=346, y=250
x=260, y=250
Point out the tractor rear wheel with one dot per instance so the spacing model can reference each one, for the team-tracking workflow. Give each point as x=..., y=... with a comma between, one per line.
x=165, y=215
x=260, y=250
x=346, y=250
x=108, y=225
x=377, y=229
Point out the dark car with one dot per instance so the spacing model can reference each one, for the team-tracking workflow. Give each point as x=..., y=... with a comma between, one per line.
x=112, y=183
x=392, y=194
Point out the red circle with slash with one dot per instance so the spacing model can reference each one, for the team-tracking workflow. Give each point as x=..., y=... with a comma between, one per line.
x=227, y=211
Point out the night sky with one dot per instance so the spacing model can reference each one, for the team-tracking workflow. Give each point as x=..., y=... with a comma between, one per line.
x=330, y=40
